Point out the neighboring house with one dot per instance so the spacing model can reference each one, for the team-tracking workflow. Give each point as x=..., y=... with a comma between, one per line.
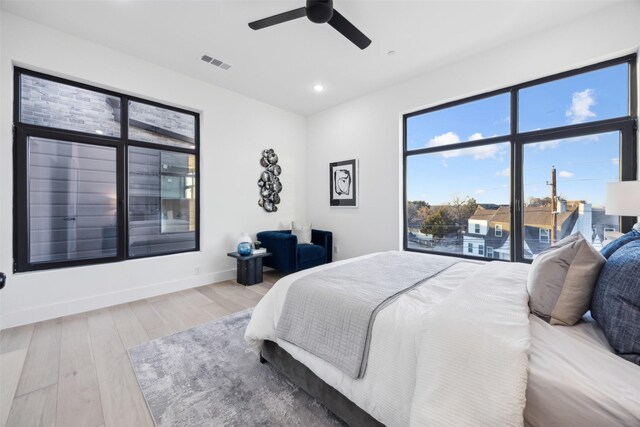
x=603, y=223
x=489, y=230
x=483, y=237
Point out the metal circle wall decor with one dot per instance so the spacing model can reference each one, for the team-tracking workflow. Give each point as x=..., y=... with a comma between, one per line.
x=269, y=182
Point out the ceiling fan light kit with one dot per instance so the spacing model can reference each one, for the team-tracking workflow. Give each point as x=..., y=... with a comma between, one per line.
x=319, y=12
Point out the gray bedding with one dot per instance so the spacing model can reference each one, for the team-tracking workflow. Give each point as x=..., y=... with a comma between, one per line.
x=330, y=313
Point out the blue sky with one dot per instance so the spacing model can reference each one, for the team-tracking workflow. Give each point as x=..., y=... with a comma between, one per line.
x=583, y=165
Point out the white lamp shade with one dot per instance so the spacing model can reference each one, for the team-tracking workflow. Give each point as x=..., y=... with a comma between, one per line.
x=623, y=198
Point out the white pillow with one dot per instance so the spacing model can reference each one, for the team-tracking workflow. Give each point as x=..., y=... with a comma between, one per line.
x=301, y=231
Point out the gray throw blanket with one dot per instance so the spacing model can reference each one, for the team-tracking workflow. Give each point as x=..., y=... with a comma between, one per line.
x=330, y=313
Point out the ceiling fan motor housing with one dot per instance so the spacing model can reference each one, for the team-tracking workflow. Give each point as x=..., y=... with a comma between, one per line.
x=319, y=11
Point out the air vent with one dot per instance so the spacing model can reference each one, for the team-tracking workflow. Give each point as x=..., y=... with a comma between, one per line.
x=216, y=62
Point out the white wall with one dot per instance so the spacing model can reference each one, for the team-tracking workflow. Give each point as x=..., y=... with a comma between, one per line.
x=234, y=131
x=369, y=128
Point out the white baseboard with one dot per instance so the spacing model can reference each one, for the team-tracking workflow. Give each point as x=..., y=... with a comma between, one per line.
x=65, y=308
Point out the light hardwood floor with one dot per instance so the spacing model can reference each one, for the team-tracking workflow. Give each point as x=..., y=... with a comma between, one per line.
x=75, y=371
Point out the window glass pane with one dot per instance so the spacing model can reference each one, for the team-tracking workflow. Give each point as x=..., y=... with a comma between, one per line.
x=160, y=125
x=582, y=166
x=57, y=105
x=484, y=118
x=72, y=201
x=162, y=208
x=597, y=95
x=457, y=198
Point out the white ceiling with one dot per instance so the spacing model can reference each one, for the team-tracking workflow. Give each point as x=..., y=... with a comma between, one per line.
x=279, y=65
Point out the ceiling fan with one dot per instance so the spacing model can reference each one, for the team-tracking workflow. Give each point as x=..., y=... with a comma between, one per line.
x=318, y=11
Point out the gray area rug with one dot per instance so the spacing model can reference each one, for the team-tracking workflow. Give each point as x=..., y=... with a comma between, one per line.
x=207, y=376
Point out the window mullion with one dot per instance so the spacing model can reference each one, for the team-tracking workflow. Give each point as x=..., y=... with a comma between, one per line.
x=628, y=165
x=517, y=219
x=123, y=187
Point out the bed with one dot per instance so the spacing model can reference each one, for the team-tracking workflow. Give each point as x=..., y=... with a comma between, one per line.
x=571, y=377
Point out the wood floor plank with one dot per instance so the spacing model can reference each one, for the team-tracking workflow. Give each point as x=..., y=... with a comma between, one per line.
x=173, y=318
x=35, y=409
x=191, y=314
x=79, y=402
x=122, y=400
x=253, y=291
x=16, y=338
x=158, y=298
x=100, y=322
x=150, y=320
x=272, y=276
x=260, y=288
x=129, y=327
x=216, y=310
x=162, y=331
x=210, y=292
x=239, y=293
x=194, y=298
x=146, y=315
x=11, y=364
x=43, y=357
x=219, y=293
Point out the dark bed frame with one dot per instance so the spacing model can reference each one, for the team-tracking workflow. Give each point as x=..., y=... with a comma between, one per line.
x=302, y=376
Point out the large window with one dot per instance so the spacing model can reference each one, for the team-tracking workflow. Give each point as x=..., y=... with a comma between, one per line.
x=518, y=169
x=95, y=182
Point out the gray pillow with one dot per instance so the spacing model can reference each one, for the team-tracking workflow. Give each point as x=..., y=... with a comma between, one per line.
x=302, y=232
x=562, y=278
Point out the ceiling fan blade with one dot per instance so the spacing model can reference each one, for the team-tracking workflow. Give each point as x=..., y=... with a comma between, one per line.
x=278, y=19
x=348, y=30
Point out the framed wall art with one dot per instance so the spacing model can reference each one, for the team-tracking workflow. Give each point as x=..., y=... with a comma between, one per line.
x=343, y=183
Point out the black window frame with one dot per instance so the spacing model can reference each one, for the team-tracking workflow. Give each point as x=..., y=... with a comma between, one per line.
x=627, y=126
x=22, y=131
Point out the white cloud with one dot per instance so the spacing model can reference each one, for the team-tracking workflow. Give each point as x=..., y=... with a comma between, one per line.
x=566, y=174
x=478, y=153
x=581, y=103
x=451, y=138
x=481, y=191
x=505, y=172
x=553, y=143
x=615, y=161
x=444, y=139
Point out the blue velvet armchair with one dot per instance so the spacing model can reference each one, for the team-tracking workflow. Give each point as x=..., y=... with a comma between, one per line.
x=289, y=256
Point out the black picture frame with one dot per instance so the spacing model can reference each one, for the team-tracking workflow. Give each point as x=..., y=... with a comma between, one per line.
x=343, y=183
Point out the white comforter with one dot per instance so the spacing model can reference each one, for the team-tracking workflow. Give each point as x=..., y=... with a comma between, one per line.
x=439, y=355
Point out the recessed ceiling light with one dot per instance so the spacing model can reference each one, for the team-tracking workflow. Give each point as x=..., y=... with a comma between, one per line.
x=318, y=87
